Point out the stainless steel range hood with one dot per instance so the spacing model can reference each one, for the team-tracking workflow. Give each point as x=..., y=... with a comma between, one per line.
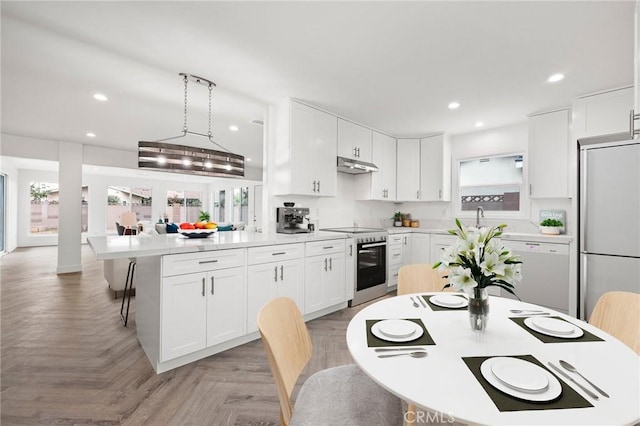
x=355, y=167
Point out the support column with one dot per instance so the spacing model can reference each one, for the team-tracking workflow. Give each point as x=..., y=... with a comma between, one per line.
x=70, y=213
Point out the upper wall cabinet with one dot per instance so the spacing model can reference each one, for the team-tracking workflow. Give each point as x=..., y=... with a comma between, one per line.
x=435, y=168
x=549, y=155
x=306, y=151
x=424, y=169
x=408, y=170
x=354, y=141
x=380, y=185
x=602, y=113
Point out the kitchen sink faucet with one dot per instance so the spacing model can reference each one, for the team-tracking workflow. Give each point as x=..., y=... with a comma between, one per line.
x=479, y=212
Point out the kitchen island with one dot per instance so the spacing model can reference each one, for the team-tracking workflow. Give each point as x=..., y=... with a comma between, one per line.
x=197, y=297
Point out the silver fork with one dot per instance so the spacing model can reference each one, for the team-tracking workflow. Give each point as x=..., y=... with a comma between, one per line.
x=415, y=304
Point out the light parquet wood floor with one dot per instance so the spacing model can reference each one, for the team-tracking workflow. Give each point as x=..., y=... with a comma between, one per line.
x=67, y=359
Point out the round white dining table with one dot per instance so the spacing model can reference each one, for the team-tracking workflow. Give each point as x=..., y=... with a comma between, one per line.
x=444, y=386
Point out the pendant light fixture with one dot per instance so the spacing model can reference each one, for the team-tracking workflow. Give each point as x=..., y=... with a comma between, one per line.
x=159, y=155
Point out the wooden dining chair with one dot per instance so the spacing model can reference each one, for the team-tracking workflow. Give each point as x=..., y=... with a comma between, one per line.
x=618, y=313
x=336, y=396
x=418, y=278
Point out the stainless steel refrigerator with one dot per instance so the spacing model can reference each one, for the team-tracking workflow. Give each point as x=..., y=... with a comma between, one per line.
x=609, y=218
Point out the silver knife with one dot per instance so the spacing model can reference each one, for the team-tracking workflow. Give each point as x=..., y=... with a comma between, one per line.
x=404, y=348
x=568, y=377
x=424, y=305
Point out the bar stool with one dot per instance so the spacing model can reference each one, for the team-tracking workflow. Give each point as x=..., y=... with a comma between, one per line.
x=128, y=283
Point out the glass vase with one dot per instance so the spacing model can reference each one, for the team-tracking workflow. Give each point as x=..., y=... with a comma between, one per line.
x=479, y=309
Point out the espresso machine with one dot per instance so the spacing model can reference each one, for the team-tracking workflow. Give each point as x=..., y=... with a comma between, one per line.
x=291, y=220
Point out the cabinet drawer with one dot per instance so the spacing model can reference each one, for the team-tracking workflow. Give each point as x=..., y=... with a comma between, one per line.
x=277, y=253
x=395, y=239
x=392, y=280
x=395, y=255
x=324, y=247
x=188, y=263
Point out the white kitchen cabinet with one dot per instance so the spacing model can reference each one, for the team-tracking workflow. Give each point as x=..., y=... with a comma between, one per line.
x=549, y=155
x=184, y=315
x=354, y=141
x=380, y=185
x=324, y=275
x=306, y=151
x=350, y=268
x=435, y=168
x=408, y=170
x=273, y=271
x=419, y=249
x=438, y=244
x=602, y=113
x=398, y=251
x=205, y=308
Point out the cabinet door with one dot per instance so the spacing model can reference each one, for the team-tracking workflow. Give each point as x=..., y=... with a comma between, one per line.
x=290, y=281
x=226, y=298
x=548, y=155
x=350, y=268
x=323, y=153
x=333, y=285
x=314, y=270
x=435, y=168
x=419, y=248
x=184, y=315
x=383, y=155
x=408, y=170
x=302, y=127
x=354, y=141
x=260, y=282
x=602, y=113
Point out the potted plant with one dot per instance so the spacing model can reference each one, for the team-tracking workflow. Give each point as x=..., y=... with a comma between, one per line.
x=397, y=219
x=551, y=226
x=204, y=216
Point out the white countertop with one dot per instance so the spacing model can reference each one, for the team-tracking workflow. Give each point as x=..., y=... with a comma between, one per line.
x=513, y=236
x=125, y=246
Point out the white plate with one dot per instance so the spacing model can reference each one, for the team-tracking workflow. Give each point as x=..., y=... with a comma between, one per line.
x=397, y=328
x=549, y=394
x=532, y=323
x=448, y=301
x=520, y=375
x=417, y=332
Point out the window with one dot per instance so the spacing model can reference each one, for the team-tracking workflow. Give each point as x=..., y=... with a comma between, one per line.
x=219, y=199
x=241, y=204
x=44, y=208
x=183, y=206
x=123, y=199
x=494, y=183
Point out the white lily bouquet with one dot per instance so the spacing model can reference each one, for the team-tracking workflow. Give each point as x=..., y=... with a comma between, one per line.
x=476, y=260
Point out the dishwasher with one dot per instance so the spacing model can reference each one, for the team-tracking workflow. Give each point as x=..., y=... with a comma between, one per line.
x=545, y=273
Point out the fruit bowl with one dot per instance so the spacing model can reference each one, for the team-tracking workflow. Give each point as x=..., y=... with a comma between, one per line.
x=197, y=233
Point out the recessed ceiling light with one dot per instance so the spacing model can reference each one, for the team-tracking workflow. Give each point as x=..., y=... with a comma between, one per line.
x=100, y=97
x=454, y=105
x=233, y=128
x=247, y=159
x=479, y=124
x=91, y=135
x=555, y=78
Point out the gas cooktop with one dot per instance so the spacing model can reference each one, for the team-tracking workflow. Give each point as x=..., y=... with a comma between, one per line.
x=355, y=230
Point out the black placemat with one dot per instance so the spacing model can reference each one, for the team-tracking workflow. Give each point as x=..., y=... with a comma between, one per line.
x=586, y=337
x=435, y=307
x=374, y=342
x=569, y=398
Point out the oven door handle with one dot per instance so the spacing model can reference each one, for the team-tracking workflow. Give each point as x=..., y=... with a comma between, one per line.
x=373, y=245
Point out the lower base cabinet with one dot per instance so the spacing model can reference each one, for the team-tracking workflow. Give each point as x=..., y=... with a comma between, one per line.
x=201, y=310
x=324, y=282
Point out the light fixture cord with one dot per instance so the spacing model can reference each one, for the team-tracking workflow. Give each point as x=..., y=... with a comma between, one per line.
x=184, y=126
x=210, y=88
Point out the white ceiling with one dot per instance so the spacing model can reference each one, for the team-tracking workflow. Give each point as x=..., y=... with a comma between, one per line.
x=391, y=65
